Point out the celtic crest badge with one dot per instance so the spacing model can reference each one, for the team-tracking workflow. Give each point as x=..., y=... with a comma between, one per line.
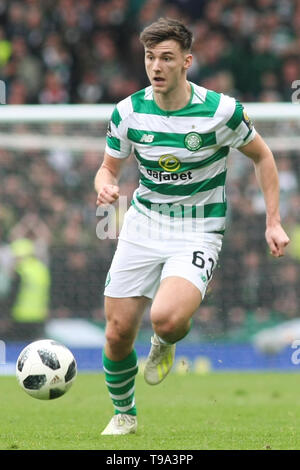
x=193, y=141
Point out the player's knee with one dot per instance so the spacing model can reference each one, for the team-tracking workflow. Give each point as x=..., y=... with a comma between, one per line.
x=170, y=324
x=165, y=323
x=117, y=335
x=165, y=329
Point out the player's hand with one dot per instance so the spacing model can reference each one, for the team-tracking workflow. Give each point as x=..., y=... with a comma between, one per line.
x=277, y=240
x=108, y=194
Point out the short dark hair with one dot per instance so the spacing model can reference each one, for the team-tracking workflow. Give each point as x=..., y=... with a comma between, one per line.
x=165, y=29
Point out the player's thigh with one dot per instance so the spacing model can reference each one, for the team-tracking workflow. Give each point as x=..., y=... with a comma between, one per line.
x=135, y=270
x=123, y=316
x=184, y=280
x=175, y=302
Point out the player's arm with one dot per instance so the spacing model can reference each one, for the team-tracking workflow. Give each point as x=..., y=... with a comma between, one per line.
x=106, y=180
x=267, y=177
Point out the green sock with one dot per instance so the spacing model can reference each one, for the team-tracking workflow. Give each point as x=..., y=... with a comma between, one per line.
x=120, y=381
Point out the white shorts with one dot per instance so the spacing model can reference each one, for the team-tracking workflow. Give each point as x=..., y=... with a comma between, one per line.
x=144, y=258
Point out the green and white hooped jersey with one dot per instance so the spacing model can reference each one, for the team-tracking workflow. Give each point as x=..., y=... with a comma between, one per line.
x=182, y=155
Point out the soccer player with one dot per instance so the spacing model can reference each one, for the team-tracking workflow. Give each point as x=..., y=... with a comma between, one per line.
x=168, y=247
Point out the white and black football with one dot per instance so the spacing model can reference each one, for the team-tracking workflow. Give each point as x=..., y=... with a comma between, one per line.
x=46, y=369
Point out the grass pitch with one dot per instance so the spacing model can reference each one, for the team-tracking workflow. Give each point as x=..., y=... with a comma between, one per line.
x=213, y=411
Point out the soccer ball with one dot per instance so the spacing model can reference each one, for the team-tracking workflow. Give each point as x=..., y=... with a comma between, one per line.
x=46, y=369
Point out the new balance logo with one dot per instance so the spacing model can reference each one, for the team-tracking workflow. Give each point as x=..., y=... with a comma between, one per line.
x=147, y=138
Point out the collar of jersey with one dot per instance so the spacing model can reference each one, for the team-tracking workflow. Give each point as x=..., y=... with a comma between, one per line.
x=173, y=113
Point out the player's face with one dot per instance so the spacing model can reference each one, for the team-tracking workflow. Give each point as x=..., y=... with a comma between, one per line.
x=166, y=65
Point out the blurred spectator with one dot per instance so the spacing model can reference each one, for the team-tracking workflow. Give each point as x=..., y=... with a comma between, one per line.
x=77, y=284
x=24, y=66
x=253, y=291
x=90, y=89
x=26, y=306
x=5, y=48
x=288, y=182
x=17, y=92
x=264, y=61
x=53, y=90
x=286, y=298
x=289, y=73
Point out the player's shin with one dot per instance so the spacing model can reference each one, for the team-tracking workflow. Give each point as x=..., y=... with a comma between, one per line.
x=120, y=381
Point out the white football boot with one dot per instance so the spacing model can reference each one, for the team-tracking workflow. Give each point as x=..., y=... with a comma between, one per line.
x=159, y=361
x=121, y=424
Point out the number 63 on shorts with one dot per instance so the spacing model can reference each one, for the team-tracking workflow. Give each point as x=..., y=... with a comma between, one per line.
x=199, y=262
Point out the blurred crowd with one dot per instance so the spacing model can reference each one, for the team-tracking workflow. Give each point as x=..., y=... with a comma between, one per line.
x=66, y=51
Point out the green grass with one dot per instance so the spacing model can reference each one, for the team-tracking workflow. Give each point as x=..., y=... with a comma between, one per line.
x=212, y=411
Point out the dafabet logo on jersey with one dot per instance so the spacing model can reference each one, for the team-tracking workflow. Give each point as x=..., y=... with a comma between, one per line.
x=162, y=176
x=169, y=163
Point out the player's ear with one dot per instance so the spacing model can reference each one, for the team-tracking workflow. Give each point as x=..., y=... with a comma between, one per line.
x=188, y=60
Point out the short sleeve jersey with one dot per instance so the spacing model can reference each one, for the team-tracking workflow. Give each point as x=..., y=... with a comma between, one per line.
x=181, y=155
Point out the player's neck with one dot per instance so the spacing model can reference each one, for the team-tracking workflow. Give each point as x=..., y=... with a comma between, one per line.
x=175, y=99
